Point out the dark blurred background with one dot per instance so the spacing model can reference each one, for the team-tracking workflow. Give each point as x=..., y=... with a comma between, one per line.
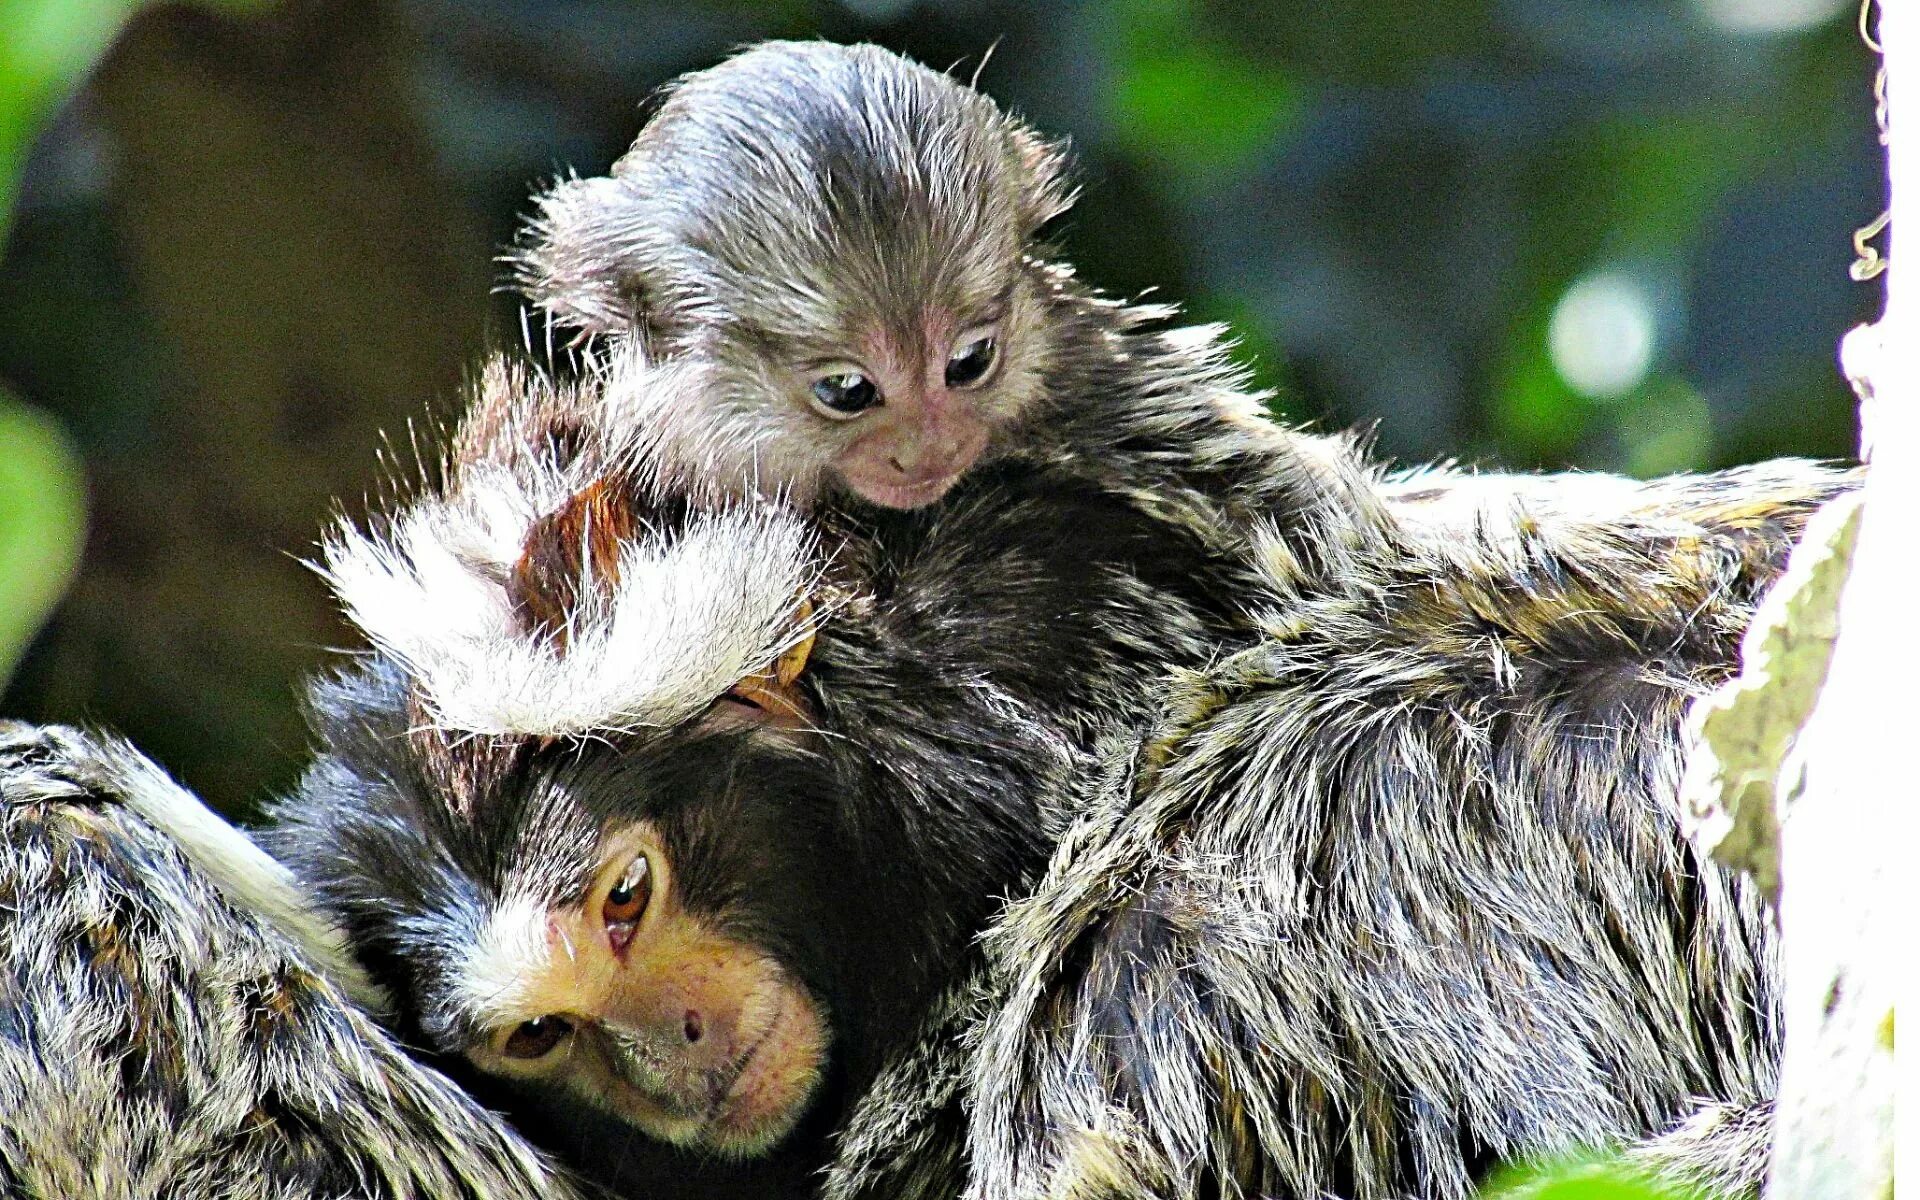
x=249, y=239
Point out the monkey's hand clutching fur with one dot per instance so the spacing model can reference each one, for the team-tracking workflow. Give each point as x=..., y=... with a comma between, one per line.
x=159, y=1036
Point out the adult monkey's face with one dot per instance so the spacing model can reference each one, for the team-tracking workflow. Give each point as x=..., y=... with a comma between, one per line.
x=637, y=1003
x=566, y=813
x=660, y=983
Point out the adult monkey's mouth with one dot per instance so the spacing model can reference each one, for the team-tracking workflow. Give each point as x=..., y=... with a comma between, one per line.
x=739, y=1108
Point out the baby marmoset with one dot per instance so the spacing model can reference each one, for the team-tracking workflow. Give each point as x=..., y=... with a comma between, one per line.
x=843, y=237
x=846, y=245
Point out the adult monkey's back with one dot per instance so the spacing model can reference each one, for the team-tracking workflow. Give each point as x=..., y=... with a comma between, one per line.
x=1401, y=893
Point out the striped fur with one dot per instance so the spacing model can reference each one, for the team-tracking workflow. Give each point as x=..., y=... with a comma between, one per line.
x=162, y=1034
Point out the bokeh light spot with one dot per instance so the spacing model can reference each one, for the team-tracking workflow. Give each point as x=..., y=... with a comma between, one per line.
x=1602, y=335
x=1765, y=17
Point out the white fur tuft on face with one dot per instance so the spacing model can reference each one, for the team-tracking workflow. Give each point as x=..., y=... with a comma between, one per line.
x=492, y=982
x=692, y=612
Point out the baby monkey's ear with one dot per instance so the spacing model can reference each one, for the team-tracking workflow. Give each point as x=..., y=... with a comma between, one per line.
x=1046, y=186
x=571, y=557
x=578, y=256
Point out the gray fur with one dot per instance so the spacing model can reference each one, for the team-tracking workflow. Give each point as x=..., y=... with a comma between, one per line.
x=1435, y=644
x=844, y=164
x=1362, y=923
x=776, y=211
x=1383, y=886
x=156, y=1040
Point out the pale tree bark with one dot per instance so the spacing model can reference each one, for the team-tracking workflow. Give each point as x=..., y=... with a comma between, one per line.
x=1807, y=775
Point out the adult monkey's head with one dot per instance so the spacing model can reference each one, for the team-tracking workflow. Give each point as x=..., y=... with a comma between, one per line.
x=671, y=809
x=568, y=804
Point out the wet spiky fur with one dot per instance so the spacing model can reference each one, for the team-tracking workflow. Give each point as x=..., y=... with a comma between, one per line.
x=159, y=1036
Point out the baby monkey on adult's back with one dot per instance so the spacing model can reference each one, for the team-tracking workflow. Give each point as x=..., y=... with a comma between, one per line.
x=846, y=244
x=856, y=275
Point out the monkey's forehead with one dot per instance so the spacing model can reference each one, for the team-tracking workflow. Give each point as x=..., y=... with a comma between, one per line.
x=653, y=621
x=792, y=155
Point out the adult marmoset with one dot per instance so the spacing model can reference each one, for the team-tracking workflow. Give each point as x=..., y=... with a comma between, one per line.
x=1474, y=717
x=846, y=165
x=691, y=813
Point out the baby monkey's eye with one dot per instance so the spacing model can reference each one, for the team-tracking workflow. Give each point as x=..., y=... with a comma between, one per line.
x=845, y=395
x=973, y=361
x=628, y=898
x=536, y=1038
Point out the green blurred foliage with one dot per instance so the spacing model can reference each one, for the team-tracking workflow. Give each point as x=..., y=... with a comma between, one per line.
x=1346, y=42
x=42, y=522
x=1625, y=188
x=49, y=45
x=1580, y=1179
x=1192, y=103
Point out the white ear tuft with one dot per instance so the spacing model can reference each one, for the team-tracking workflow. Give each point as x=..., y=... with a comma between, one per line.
x=694, y=610
x=691, y=615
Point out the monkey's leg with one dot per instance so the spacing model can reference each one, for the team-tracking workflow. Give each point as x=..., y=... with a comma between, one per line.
x=158, y=1039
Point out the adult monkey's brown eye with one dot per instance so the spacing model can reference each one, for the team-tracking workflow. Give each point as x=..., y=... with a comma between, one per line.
x=536, y=1038
x=628, y=898
x=973, y=361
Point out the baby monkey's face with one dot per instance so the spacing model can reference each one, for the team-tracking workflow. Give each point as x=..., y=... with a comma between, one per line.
x=650, y=1012
x=916, y=413
x=894, y=406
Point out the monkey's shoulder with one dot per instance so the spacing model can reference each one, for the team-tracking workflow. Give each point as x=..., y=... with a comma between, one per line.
x=138, y=1001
